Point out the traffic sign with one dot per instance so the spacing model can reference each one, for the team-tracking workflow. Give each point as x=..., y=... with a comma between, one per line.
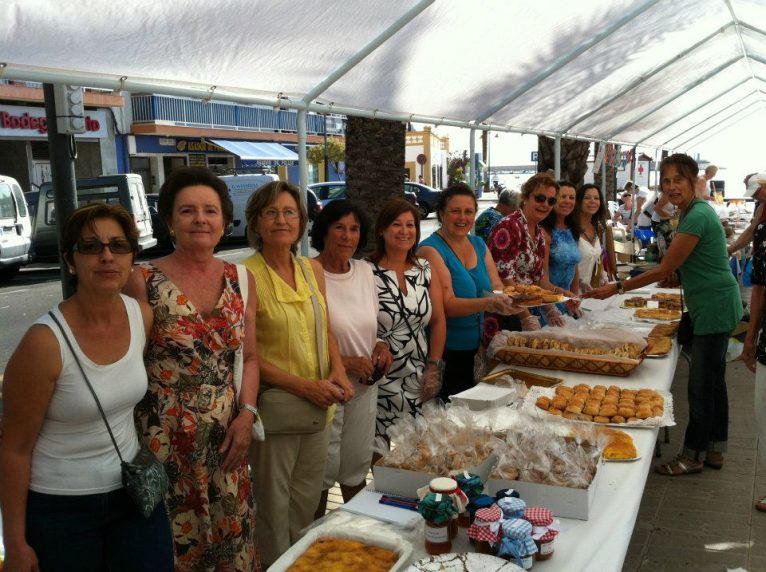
x=534, y=156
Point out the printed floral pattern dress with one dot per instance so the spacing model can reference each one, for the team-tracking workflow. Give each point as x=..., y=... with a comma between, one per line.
x=399, y=391
x=184, y=418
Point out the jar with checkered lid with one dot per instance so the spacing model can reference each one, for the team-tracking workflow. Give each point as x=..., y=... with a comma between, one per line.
x=544, y=530
x=438, y=510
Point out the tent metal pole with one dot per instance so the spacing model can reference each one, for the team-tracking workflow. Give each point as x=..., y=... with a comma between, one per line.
x=565, y=59
x=603, y=173
x=740, y=41
x=557, y=157
x=344, y=68
x=304, y=172
x=706, y=119
x=684, y=91
x=762, y=109
x=472, y=158
x=680, y=145
x=644, y=78
x=687, y=114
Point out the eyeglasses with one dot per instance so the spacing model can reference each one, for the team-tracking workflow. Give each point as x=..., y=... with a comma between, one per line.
x=273, y=214
x=543, y=198
x=93, y=247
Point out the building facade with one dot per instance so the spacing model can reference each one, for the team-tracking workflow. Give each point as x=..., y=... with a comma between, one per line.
x=427, y=155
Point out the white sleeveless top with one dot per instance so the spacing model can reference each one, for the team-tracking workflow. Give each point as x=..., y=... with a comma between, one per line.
x=73, y=454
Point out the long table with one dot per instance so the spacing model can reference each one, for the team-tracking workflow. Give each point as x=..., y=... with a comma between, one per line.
x=601, y=542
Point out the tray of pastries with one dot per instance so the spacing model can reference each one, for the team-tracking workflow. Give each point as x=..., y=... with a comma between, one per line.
x=600, y=404
x=643, y=302
x=619, y=446
x=530, y=295
x=657, y=315
x=667, y=329
x=331, y=548
x=601, y=357
x=659, y=346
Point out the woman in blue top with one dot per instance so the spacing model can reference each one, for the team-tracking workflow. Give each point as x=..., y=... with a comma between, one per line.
x=562, y=255
x=466, y=271
x=711, y=293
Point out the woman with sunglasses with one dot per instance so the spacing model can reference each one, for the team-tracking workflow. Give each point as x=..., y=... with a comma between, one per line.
x=299, y=358
x=517, y=244
x=63, y=502
x=467, y=275
x=598, y=262
x=192, y=417
x=339, y=233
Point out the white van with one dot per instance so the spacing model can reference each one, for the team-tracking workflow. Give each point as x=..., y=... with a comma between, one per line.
x=240, y=189
x=15, y=228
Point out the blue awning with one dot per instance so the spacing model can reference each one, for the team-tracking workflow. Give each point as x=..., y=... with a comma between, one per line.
x=249, y=151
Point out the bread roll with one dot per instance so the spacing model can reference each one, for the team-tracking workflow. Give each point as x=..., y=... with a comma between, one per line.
x=555, y=411
x=559, y=402
x=626, y=412
x=601, y=419
x=543, y=402
x=591, y=408
x=573, y=408
x=608, y=410
x=643, y=412
x=618, y=419
x=565, y=391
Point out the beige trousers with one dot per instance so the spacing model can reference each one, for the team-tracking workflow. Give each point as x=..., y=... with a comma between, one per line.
x=287, y=482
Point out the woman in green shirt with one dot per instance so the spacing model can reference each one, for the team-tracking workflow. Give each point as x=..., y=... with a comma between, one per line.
x=698, y=253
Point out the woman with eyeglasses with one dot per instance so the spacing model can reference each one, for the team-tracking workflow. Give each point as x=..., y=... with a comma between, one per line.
x=598, y=262
x=61, y=492
x=300, y=364
x=339, y=233
x=192, y=417
x=517, y=244
x=468, y=276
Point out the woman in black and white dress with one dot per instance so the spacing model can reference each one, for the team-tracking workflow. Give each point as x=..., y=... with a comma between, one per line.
x=409, y=300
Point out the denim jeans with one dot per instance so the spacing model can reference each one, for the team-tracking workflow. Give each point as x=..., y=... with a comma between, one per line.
x=98, y=532
x=708, y=428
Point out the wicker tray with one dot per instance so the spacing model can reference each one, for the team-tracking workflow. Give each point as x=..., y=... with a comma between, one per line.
x=565, y=361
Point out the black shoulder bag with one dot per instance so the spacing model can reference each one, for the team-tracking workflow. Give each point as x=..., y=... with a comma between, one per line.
x=144, y=478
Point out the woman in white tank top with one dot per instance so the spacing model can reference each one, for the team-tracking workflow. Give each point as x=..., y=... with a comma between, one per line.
x=63, y=504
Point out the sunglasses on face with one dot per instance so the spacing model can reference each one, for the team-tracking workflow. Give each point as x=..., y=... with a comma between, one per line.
x=542, y=198
x=92, y=247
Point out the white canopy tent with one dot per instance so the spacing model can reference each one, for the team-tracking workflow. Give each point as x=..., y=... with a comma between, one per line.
x=661, y=73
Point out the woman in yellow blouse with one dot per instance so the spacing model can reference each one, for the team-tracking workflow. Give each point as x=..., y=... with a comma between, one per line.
x=288, y=467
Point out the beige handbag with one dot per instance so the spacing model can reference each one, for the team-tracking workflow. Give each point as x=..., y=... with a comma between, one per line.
x=284, y=413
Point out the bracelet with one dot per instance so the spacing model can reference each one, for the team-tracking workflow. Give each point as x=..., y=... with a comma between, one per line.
x=247, y=407
x=437, y=362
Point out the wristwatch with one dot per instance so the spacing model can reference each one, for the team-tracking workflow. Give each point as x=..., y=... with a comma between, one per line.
x=251, y=408
x=620, y=289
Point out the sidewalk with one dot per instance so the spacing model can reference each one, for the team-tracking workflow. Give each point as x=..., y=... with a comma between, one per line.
x=705, y=522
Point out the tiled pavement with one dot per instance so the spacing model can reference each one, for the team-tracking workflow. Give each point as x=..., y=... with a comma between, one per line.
x=705, y=522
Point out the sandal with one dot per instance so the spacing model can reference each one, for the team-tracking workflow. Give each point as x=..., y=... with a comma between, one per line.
x=714, y=460
x=761, y=505
x=678, y=467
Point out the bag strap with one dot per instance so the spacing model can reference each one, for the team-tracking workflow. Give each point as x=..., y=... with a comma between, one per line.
x=87, y=381
x=318, y=321
x=242, y=278
x=402, y=308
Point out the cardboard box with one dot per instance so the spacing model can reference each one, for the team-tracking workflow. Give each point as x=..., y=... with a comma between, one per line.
x=564, y=502
x=483, y=396
x=405, y=483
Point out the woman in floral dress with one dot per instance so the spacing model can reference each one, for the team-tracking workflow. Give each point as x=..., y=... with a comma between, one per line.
x=517, y=245
x=191, y=416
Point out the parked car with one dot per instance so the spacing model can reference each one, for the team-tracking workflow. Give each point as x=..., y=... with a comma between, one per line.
x=159, y=226
x=332, y=191
x=241, y=187
x=15, y=228
x=125, y=189
x=427, y=197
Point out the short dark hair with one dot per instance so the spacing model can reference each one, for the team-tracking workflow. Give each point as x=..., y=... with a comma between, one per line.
x=454, y=190
x=183, y=177
x=535, y=182
x=332, y=213
x=506, y=198
x=388, y=214
x=262, y=198
x=86, y=217
x=685, y=165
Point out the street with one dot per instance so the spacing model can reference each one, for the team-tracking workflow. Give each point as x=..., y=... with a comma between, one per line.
x=36, y=289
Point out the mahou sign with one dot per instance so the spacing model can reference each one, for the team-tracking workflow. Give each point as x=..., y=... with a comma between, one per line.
x=18, y=121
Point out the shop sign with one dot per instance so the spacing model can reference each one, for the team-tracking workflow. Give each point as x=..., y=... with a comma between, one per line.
x=30, y=122
x=197, y=146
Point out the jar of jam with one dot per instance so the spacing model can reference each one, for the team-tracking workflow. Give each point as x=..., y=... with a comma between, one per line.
x=446, y=486
x=438, y=540
x=544, y=530
x=485, y=531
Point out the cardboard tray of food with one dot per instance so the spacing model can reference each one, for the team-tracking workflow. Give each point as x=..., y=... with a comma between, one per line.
x=364, y=535
x=564, y=361
x=529, y=378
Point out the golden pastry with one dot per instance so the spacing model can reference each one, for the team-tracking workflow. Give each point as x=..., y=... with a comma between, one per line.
x=543, y=402
x=330, y=554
